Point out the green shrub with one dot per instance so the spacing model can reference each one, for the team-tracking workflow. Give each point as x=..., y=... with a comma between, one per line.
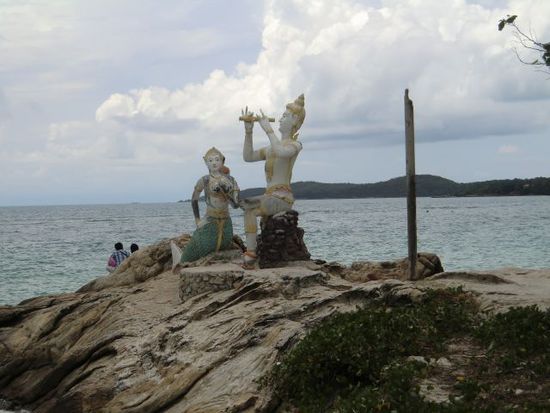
x=397, y=392
x=356, y=362
x=451, y=311
x=519, y=336
x=349, y=351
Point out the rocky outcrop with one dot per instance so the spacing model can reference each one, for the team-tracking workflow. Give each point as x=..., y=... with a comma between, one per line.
x=426, y=265
x=153, y=260
x=196, y=341
x=281, y=240
x=142, y=265
x=286, y=281
x=498, y=290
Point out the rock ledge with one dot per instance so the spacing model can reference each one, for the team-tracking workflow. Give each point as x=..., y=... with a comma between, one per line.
x=200, y=340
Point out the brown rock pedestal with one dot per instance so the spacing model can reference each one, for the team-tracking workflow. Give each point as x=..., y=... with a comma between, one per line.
x=281, y=240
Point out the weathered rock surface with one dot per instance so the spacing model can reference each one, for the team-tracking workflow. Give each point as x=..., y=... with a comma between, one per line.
x=136, y=346
x=142, y=265
x=287, y=281
x=153, y=260
x=426, y=265
x=499, y=289
x=281, y=240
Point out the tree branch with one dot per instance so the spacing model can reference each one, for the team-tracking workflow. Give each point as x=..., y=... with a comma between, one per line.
x=528, y=42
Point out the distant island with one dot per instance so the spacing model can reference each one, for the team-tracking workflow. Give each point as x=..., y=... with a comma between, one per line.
x=426, y=186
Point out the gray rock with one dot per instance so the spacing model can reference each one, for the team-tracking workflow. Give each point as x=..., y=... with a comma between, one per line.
x=137, y=347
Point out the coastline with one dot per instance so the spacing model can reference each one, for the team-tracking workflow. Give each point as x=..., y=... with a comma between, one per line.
x=145, y=339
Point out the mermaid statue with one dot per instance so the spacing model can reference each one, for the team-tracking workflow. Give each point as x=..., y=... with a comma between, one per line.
x=279, y=159
x=215, y=231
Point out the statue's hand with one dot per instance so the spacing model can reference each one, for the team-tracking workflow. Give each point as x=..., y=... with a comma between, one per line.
x=264, y=123
x=225, y=187
x=248, y=118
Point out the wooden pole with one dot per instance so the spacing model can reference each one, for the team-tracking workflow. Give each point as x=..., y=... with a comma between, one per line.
x=411, y=184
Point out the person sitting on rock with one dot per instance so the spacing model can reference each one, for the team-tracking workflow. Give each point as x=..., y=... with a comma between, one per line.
x=279, y=159
x=215, y=231
x=116, y=258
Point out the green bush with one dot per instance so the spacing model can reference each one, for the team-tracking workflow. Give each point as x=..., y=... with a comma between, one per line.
x=519, y=336
x=524, y=331
x=397, y=392
x=357, y=362
x=348, y=351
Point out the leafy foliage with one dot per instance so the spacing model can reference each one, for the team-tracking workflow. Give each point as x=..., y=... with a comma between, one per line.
x=348, y=351
x=528, y=42
x=519, y=336
x=397, y=387
x=357, y=362
x=508, y=20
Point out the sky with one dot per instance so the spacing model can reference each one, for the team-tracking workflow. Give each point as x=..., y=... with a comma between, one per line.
x=117, y=101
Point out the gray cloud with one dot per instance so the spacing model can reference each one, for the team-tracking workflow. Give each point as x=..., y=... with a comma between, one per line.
x=4, y=108
x=151, y=86
x=164, y=126
x=354, y=62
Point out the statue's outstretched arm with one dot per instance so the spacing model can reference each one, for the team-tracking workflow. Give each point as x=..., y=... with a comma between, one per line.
x=195, y=200
x=249, y=154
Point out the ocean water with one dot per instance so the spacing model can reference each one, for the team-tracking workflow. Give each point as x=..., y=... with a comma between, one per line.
x=53, y=249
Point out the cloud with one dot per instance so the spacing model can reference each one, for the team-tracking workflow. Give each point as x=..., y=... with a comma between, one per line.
x=136, y=88
x=151, y=109
x=4, y=108
x=63, y=60
x=353, y=61
x=508, y=149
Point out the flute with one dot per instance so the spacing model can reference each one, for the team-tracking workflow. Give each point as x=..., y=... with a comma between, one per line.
x=252, y=118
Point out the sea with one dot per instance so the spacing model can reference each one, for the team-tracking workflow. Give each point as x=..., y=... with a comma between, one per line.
x=55, y=249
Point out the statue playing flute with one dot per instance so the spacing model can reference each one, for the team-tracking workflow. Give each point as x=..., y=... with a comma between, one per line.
x=279, y=157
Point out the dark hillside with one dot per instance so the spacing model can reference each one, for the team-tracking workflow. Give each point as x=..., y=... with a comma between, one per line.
x=426, y=185
x=534, y=186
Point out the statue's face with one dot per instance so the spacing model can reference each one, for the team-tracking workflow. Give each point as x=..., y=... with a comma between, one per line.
x=214, y=163
x=287, y=122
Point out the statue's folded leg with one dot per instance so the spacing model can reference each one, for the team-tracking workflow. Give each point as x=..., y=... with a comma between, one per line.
x=251, y=228
x=252, y=202
x=259, y=206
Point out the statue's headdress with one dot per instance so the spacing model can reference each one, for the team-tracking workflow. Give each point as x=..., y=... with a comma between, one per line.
x=297, y=109
x=214, y=151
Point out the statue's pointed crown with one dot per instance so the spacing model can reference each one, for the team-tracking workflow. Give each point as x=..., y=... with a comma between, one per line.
x=297, y=107
x=213, y=151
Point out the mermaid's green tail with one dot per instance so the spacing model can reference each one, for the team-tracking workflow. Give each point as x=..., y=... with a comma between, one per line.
x=215, y=235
